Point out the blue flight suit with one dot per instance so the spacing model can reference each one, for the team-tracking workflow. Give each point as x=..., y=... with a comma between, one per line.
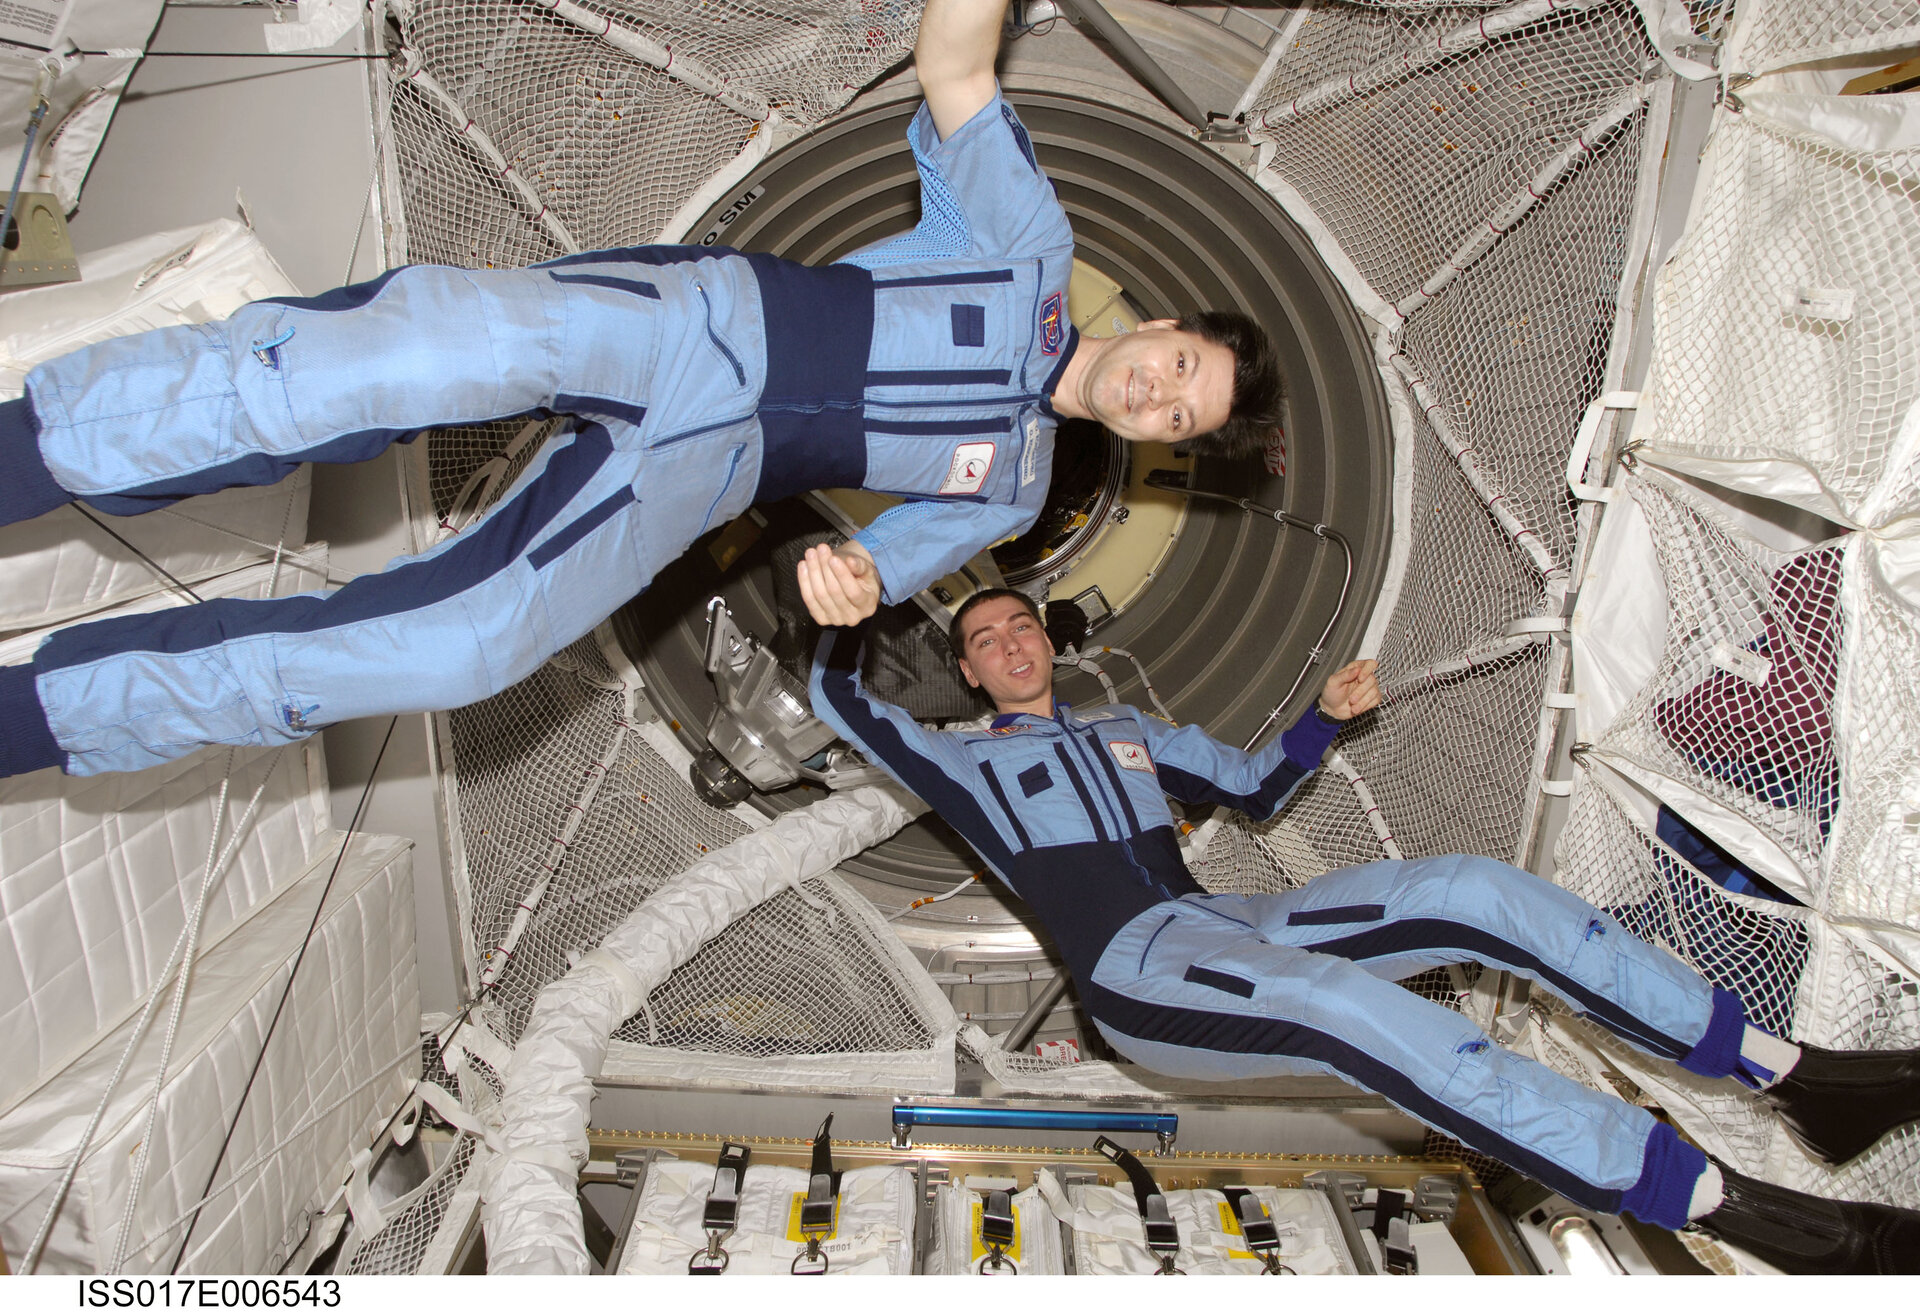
x=703, y=380
x=1071, y=813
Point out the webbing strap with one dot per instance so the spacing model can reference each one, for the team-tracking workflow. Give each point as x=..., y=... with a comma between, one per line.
x=1163, y=1236
x=1261, y=1234
x=823, y=1186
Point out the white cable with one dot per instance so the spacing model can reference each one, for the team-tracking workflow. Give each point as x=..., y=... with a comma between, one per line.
x=181, y=980
x=929, y=901
x=119, y=1071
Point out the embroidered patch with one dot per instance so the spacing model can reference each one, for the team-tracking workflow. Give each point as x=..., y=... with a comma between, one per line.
x=1053, y=326
x=968, y=470
x=1002, y=730
x=1131, y=756
x=1030, y=458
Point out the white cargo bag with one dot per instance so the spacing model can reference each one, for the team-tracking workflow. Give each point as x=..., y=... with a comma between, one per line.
x=958, y=1249
x=872, y=1230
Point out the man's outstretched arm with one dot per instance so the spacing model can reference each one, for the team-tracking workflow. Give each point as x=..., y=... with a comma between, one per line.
x=1195, y=767
x=959, y=40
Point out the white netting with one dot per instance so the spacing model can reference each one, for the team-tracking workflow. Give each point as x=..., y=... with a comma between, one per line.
x=1416, y=160
x=522, y=129
x=1873, y=853
x=1771, y=34
x=413, y=1221
x=1741, y=707
x=1789, y=319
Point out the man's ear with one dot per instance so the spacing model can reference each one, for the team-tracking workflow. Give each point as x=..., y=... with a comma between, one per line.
x=967, y=670
x=1152, y=324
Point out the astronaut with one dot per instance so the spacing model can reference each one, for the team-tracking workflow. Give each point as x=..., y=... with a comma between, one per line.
x=1069, y=809
x=934, y=366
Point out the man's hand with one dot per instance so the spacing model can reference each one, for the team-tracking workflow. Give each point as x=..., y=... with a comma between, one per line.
x=1350, y=690
x=840, y=585
x=954, y=56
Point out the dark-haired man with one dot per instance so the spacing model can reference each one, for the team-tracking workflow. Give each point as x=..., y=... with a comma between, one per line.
x=1069, y=809
x=933, y=366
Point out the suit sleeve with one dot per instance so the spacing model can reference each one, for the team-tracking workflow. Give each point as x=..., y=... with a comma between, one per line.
x=982, y=194
x=1195, y=767
x=920, y=541
x=931, y=764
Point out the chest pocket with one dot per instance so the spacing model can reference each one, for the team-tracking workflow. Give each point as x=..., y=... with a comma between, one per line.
x=1029, y=788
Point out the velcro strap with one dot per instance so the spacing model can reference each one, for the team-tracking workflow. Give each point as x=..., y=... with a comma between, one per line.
x=1255, y=1224
x=723, y=1201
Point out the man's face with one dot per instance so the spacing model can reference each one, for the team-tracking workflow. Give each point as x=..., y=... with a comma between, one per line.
x=1006, y=652
x=1159, y=384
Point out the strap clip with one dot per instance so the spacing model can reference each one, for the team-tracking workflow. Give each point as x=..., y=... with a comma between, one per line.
x=1163, y=1235
x=816, y=1212
x=722, y=1211
x=997, y=1232
x=1258, y=1229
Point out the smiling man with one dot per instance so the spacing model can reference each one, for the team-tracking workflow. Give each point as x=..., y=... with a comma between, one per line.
x=933, y=366
x=1069, y=808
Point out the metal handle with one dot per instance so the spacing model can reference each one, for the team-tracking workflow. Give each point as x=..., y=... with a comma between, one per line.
x=1162, y=1125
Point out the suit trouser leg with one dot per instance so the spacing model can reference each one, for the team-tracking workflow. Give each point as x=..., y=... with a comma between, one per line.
x=1190, y=991
x=139, y=422
x=458, y=623
x=1397, y=918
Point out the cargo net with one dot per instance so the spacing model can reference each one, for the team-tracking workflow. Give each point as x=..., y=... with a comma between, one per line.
x=1789, y=317
x=1476, y=168
x=412, y=1222
x=1795, y=972
x=523, y=131
x=1774, y=34
x=1741, y=706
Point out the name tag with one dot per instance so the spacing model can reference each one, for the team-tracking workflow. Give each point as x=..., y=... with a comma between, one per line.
x=1030, y=458
x=968, y=470
x=1131, y=756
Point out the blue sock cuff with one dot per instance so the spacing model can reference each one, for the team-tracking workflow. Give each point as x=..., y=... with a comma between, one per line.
x=27, y=488
x=1717, y=1055
x=1668, y=1174
x=26, y=740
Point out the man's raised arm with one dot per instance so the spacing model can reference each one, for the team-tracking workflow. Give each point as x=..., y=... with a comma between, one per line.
x=953, y=58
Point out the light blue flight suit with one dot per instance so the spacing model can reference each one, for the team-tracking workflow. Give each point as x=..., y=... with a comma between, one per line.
x=1071, y=813
x=703, y=381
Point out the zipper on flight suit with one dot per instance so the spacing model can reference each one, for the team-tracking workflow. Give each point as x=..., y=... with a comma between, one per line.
x=739, y=370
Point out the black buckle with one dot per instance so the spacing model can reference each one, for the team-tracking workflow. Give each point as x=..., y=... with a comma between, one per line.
x=721, y=1213
x=816, y=1212
x=997, y=1232
x=1163, y=1235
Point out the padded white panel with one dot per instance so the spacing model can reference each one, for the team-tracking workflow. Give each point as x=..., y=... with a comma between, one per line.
x=343, y=1057
x=59, y=566
x=97, y=874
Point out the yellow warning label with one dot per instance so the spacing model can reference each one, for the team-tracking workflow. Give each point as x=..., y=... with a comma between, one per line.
x=980, y=1249
x=793, y=1220
x=1230, y=1224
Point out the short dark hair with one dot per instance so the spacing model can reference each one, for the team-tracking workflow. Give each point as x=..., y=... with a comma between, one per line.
x=1259, y=391
x=956, y=638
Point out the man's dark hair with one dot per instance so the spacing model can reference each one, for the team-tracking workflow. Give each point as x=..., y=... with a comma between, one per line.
x=1258, y=389
x=956, y=636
